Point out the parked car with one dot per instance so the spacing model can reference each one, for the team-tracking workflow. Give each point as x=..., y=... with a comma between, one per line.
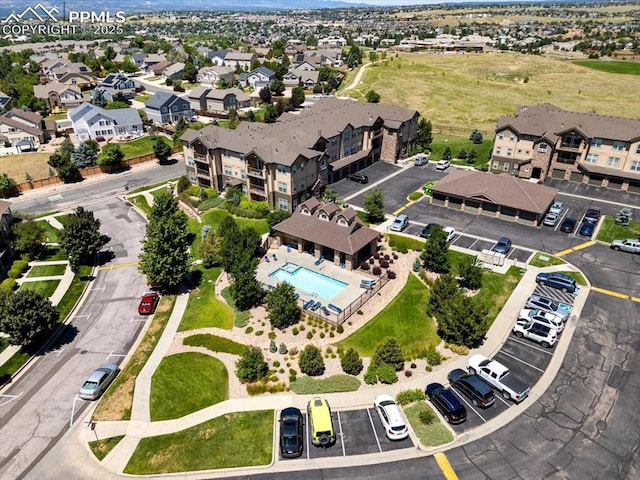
x=538, y=302
x=499, y=376
x=557, y=280
x=592, y=215
x=420, y=160
x=426, y=230
x=395, y=426
x=98, y=381
x=568, y=225
x=148, y=303
x=399, y=223
x=447, y=403
x=443, y=164
x=358, y=177
x=291, y=436
x=503, y=245
x=473, y=387
x=545, y=318
x=543, y=334
x=557, y=207
x=320, y=423
x=629, y=245
x=551, y=219
x=586, y=229
x=451, y=232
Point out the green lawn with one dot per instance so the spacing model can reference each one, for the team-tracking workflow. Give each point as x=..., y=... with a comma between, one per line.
x=496, y=290
x=432, y=435
x=545, y=260
x=232, y=440
x=242, y=316
x=402, y=244
x=610, y=231
x=457, y=143
x=71, y=296
x=11, y=366
x=185, y=383
x=203, y=308
x=50, y=232
x=404, y=319
x=51, y=253
x=101, y=448
x=626, y=68
x=215, y=343
x=337, y=383
x=46, y=288
x=46, y=270
x=140, y=201
x=149, y=187
x=138, y=147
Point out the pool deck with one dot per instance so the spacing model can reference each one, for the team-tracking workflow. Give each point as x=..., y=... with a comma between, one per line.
x=350, y=277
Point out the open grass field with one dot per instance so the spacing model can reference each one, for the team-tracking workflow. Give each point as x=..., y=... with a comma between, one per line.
x=17, y=166
x=625, y=68
x=474, y=90
x=185, y=383
x=232, y=440
x=203, y=308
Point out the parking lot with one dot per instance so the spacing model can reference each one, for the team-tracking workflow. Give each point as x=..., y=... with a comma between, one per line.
x=524, y=358
x=358, y=432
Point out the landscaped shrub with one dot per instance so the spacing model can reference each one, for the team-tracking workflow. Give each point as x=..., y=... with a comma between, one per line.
x=371, y=375
x=405, y=397
x=391, y=274
x=272, y=335
x=276, y=363
x=283, y=349
x=294, y=331
x=387, y=374
x=376, y=255
x=311, y=362
x=309, y=335
x=459, y=349
x=18, y=268
x=386, y=256
x=433, y=357
x=351, y=362
x=210, y=203
x=293, y=351
x=248, y=330
x=183, y=184
x=384, y=264
x=272, y=346
x=408, y=373
x=8, y=285
x=333, y=384
x=416, y=265
x=427, y=416
x=372, y=261
x=376, y=270
x=261, y=387
x=340, y=328
x=364, y=266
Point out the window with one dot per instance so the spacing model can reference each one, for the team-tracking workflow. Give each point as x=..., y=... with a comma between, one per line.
x=498, y=150
x=283, y=204
x=390, y=133
x=190, y=161
x=501, y=135
x=635, y=166
x=618, y=146
x=505, y=167
x=638, y=149
x=192, y=177
x=509, y=152
x=282, y=169
x=592, y=158
x=228, y=170
x=512, y=137
x=496, y=165
x=282, y=187
x=243, y=174
x=596, y=142
x=542, y=148
x=613, y=162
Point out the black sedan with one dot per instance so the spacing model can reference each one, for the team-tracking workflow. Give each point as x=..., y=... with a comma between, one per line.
x=291, y=436
x=568, y=225
x=447, y=403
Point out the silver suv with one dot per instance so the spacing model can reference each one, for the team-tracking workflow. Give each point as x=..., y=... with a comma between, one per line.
x=538, y=302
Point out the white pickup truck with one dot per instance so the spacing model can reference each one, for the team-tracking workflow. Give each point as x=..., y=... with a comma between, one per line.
x=497, y=375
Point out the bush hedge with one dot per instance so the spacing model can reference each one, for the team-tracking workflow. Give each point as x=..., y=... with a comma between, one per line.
x=336, y=383
x=406, y=397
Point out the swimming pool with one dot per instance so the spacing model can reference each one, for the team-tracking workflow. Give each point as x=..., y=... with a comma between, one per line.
x=309, y=281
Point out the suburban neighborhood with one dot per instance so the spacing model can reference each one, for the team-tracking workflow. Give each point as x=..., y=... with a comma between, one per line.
x=280, y=242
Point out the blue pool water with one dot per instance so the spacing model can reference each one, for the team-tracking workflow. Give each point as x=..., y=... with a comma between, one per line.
x=309, y=281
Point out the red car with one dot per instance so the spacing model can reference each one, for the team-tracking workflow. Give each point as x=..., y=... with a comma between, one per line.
x=148, y=303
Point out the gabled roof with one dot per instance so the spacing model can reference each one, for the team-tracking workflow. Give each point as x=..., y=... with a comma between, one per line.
x=551, y=121
x=198, y=92
x=90, y=112
x=43, y=91
x=341, y=230
x=505, y=190
x=113, y=79
x=17, y=118
x=162, y=99
x=216, y=94
x=173, y=68
x=31, y=117
x=239, y=56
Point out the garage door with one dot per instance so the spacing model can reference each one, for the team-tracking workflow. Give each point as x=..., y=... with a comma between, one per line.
x=557, y=173
x=489, y=209
x=595, y=180
x=615, y=183
x=438, y=199
x=576, y=177
x=455, y=203
x=471, y=206
x=634, y=186
x=507, y=213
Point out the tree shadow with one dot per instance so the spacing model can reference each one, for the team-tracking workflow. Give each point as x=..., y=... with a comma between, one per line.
x=168, y=161
x=105, y=256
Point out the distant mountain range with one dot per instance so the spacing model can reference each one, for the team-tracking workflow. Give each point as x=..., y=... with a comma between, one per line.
x=7, y=7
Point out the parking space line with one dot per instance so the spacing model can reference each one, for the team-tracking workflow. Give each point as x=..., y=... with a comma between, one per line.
x=499, y=397
x=461, y=397
x=344, y=453
x=12, y=398
x=375, y=434
x=445, y=466
x=306, y=427
x=528, y=344
x=522, y=361
x=610, y=293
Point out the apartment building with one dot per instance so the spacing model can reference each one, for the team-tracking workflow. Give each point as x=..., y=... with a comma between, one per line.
x=547, y=141
x=289, y=161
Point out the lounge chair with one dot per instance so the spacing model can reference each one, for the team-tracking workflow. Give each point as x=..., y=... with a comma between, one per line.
x=308, y=304
x=335, y=308
x=325, y=310
x=296, y=296
x=315, y=306
x=319, y=260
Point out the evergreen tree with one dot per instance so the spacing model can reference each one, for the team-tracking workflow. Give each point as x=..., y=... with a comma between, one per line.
x=424, y=136
x=311, y=362
x=435, y=255
x=282, y=307
x=444, y=288
x=351, y=362
x=476, y=137
x=84, y=156
x=372, y=96
x=265, y=95
x=389, y=352
x=470, y=273
x=246, y=290
x=110, y=155
x=463, y=322
x=161, y=149
x=297, y=96
x=446, y=155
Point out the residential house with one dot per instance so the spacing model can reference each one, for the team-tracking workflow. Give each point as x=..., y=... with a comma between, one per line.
x=332, y=42
x=92, y=122
x=323, y=229
x=138, y=58
x=227, y=99
x=215, y=74
x=546, y=141
x=289, y=161
x=22, y=131
x=301, y=77
x=60, y=96
x=6, y=218
x=258, y=78
x=4, y=102
x=166, y=107
x=216, y=56
x=174, y=71
x=239, y=60
x=116, y=85
x=263, y=52
x=197, y=97
x=158, y=68
x=77, y=74
x=151, y=60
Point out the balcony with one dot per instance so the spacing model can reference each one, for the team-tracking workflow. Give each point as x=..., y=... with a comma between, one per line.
x=200, y=157
x=258, y=191
x=254, y=172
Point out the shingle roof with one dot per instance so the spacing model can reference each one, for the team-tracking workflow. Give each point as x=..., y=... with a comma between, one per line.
x=160, y=99
x=349, y=238
x=216, y=94
x=120, y=116
x=551, y=121
x=503, y=190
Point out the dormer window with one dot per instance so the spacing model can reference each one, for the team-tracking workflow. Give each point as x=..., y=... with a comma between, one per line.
x=342, y=221
x=305, y=211
x=323, y=216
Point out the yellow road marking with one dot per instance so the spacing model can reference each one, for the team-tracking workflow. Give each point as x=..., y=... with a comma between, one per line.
x=576, y=248
x=109, y=267
x=401, y=209
x=611, y=293
x=635, y=299
x=445, y=466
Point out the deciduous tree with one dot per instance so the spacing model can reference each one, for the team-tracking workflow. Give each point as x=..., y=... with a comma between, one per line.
x=27, y=317
x=282, y=307
x=470, y=273
x=297, y=96
x=80, y=238
x=28, y=237
x=372, y=96
x=110, y=155
x=251, y=366
x=374, y=206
